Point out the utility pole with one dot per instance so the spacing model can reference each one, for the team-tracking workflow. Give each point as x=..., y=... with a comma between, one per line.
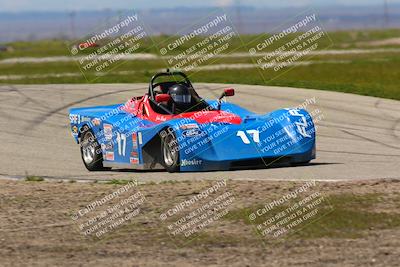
x=238, y=16
x=386, y=14
x=72, y=16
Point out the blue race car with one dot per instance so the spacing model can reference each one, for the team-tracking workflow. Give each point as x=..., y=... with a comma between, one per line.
x=172, y=127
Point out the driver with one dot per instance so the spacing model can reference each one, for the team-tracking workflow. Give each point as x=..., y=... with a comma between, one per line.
x=181, y=97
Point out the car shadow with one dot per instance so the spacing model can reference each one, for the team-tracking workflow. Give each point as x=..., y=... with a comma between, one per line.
x=271, y=166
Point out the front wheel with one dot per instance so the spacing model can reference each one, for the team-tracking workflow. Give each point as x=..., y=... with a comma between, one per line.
x=91, y=152
x=170, y=152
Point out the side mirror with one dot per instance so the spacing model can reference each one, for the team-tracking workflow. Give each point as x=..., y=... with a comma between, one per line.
x=163, y=98
x=229, y=92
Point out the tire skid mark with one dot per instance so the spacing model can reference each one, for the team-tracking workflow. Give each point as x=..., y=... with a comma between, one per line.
x=11, y=117
x=6, y=90
x=15, y=117
x=395, y=124
x=394, y=127
x=26, y=100
x=377, y=105
x=340, y=124
x=339, y=127
x=357, y=153
x=22, y=134
x=30, y=99
x=36, y=122
x=370, y=140
x=337, y=137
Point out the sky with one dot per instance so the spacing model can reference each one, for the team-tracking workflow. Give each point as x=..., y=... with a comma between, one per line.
x=77, y=5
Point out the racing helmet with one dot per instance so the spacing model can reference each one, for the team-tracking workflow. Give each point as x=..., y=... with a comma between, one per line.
x=180, y=94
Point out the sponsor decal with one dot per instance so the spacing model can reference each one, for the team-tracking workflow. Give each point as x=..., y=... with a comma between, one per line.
x=85, y=119
x=108, y=146
x=134, y=160
x=191, y=132
x=74, y=130
x=75, y=118
x=109, y=155
x=134, y=141
x=134, y=154
x=140, y=138
x=301, y=125
x=191, y=162
x=160, y=118
x=108, y=131
x=189, y=126
x=96, y=122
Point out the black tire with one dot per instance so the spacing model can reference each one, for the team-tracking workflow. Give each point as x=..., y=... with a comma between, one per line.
x=91, y=153
x=170, y=152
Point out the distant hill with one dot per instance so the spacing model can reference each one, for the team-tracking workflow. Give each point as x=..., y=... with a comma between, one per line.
x=67, y=25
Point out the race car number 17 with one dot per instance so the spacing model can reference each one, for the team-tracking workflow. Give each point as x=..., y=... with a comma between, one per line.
x=254, y=134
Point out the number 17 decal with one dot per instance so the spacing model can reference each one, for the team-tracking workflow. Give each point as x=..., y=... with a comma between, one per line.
x=121, y=140
x=255, y=135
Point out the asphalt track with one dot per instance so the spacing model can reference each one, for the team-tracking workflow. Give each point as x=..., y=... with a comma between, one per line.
x=358, y=136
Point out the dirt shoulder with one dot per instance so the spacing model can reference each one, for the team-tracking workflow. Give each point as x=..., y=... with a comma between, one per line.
x=200, y=223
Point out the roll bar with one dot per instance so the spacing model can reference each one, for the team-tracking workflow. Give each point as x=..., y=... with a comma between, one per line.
x=168, y=73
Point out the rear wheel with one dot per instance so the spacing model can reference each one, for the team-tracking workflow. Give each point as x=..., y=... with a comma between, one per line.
x=91, y=153
x=170, y=152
